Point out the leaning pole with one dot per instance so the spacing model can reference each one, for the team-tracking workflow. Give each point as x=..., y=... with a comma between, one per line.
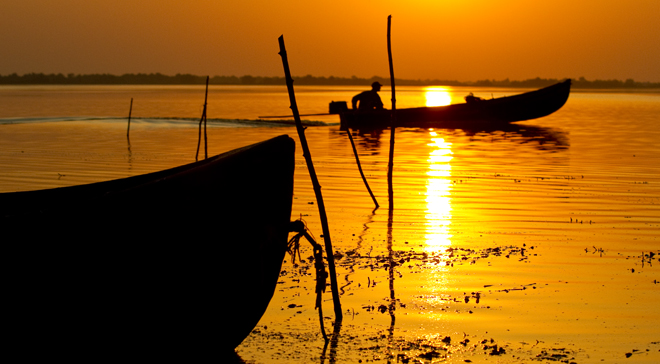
x=315, y=182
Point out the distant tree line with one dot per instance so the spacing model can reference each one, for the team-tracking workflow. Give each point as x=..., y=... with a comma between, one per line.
x=188, y=79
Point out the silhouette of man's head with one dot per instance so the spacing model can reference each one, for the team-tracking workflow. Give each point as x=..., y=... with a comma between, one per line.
x=376, y=86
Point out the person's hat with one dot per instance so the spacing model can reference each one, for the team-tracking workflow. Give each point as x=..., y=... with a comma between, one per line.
x=376, y=84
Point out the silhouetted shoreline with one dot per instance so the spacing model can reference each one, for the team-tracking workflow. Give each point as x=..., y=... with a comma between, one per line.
x=188, y=79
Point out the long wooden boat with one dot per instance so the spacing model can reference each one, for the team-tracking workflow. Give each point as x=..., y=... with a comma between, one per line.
x=473, y=113
x=174, y=265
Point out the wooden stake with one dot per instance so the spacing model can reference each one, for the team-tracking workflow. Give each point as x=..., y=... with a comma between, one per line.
x=357, y=159
x=203, y=119
x=130, y=110
x=390, y=189
x=315, y=182
x=390, y=164
x=206, y=141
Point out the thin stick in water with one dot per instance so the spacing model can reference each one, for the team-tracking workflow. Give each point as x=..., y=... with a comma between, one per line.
x=315, y=182
x=390, y=164
x=357, y=159
x=206, y=141
x=130, y=110
x=203, y=119
x=390, y=167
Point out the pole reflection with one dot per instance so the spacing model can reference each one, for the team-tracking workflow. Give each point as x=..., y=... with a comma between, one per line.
x=438, y=195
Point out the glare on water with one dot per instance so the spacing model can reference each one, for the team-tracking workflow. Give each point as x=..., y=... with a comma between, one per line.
x=542, y=239
x=438, y=195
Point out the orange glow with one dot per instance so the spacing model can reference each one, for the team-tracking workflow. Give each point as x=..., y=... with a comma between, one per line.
x=438, y=195
x=434, y=40
x=437, y=96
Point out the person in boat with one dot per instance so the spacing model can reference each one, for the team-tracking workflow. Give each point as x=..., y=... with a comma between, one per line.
x=368, y=100
x=471, y=98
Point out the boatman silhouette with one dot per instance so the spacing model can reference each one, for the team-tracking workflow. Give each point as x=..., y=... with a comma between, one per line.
x=368, y=100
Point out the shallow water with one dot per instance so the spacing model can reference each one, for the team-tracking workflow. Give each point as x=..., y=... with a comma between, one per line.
x=543, y=239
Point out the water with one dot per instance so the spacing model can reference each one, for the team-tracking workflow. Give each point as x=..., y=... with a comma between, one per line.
x=536, y=239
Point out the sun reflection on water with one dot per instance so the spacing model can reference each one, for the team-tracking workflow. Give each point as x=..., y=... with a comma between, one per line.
x=437, y=96
x=438, y=195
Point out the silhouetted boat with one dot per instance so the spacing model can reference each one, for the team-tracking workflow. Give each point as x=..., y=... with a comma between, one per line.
x=174, y=265
x=475, y=112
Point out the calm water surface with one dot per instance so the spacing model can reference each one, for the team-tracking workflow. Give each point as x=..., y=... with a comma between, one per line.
x=542, y=239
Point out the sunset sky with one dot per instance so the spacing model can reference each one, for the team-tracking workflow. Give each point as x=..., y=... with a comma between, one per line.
x=461, y=40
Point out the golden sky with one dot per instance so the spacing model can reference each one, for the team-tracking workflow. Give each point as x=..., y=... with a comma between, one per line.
x=461, y=40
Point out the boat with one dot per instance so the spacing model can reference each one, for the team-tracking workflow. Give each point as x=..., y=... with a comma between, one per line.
x=174, y=265
x=475, y=112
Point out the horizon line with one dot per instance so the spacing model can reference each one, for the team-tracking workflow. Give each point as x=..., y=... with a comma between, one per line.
x=190, y=79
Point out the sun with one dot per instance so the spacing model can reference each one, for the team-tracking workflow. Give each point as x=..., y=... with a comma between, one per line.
x=437, y=96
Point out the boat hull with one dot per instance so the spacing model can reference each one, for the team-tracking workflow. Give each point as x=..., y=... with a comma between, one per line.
x=179, y=264
x=484, y=113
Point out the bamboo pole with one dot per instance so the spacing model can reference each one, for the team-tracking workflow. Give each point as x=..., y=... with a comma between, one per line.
x=315, y=182
x=203, y=119
x=357, y=160
x=206, y=141
x=390, y=189
x=390, y=164
x=130, y=110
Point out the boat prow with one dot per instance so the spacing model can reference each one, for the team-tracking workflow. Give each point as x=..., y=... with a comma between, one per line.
x=174, y=265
